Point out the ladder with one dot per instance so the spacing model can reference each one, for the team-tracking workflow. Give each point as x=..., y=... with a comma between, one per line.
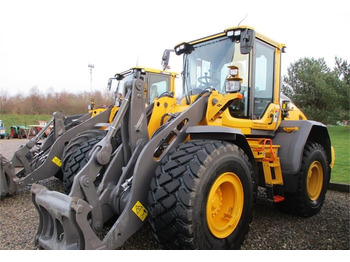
x=267, y=154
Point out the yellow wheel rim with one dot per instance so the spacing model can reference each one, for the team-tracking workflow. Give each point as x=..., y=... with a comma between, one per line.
x=314, y=181
x=225, y=205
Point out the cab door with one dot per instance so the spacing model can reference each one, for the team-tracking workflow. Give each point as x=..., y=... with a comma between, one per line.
x=263, y=79
x=157, y=85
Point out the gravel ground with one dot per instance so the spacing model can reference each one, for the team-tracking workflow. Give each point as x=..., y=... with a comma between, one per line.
x=270, y=229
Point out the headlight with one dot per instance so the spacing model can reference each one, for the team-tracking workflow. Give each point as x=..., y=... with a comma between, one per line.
x=180, y=48
x=233, y=82
x=183, y=48
x=235, y=34
x=234, y=72
x=232, y=86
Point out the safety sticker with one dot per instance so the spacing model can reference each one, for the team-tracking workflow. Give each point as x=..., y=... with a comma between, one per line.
x=276, y=116
x=57, y=161
x=140, y=211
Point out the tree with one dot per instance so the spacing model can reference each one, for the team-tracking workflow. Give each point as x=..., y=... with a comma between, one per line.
x=321, y=93
x=342, y=70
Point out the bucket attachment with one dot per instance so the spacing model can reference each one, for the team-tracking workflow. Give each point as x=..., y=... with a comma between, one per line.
x=64, y=225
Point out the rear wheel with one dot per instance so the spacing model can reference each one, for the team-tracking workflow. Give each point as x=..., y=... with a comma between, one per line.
x=72, y=146
x=76, y=161
x=202, y=197
x=313, y=180
x=78, y=141
x=78, y=153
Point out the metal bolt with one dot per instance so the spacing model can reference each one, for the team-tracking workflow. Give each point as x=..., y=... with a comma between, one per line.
x=98, y=226
x=79, y=209
x=86, y=182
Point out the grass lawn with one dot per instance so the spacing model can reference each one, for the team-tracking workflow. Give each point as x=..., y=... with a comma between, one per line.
x=340, y=139
x=22, y=120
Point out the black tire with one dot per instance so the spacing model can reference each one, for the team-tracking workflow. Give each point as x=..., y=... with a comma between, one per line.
x=73, y=145
x=77, y=155
x=313, y=180
x=77, y=141
x=181, y=187
x=76, y=161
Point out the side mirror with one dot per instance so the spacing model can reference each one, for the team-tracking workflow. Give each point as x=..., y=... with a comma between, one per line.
x=111, y=82
x=247, y=41
x=165, y=58
x=109, y=85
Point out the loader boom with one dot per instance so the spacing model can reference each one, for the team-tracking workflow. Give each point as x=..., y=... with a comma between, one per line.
x=133, y=214
x=36, y=163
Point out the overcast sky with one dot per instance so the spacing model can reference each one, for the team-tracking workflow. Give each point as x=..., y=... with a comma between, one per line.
x=49, y=44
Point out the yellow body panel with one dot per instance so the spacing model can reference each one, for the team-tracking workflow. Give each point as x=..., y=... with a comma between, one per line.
x=97, y=111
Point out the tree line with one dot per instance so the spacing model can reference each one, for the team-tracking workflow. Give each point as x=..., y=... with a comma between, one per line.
x=39, y=103
x=320, y=92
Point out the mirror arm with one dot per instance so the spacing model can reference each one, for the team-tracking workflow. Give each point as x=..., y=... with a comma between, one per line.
x=166, y=57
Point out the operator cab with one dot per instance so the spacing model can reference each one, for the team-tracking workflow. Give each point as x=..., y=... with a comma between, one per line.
x=157, y=83
x=256, y=59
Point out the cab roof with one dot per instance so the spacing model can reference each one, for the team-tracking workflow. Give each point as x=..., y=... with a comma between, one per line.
x=149, y=70
x=258, y=35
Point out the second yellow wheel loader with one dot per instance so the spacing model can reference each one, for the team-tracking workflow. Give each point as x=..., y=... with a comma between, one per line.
x=192, y=168
x=43, y=158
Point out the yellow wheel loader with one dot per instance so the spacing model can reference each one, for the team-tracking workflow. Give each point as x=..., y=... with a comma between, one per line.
x=192, y=168
x=42, y=158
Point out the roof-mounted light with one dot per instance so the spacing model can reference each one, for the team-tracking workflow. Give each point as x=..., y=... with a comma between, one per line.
x=183, y=48
x=234, y=34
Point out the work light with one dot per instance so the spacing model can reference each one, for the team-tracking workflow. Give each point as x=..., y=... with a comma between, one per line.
x=232, y=86
x=233, y=82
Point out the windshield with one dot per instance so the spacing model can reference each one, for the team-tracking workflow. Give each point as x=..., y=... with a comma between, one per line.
x=155, y=85
x=207, y=65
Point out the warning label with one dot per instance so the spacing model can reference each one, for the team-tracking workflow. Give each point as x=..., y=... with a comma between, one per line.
x=140, y=211
x=57, y=161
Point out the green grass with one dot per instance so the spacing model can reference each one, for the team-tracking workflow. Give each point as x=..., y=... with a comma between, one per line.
x=340, y=139
x=22, y=120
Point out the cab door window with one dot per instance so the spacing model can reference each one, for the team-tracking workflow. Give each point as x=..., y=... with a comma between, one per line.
x=157, y=85
x=239, y=108
x=263, y=78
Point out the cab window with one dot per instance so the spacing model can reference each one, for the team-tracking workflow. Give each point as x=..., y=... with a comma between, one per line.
x=157, y=85
x=240, y=108
x=263, y=76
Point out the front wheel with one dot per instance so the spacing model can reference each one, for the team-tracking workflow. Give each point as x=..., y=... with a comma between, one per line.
x=202, y=197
